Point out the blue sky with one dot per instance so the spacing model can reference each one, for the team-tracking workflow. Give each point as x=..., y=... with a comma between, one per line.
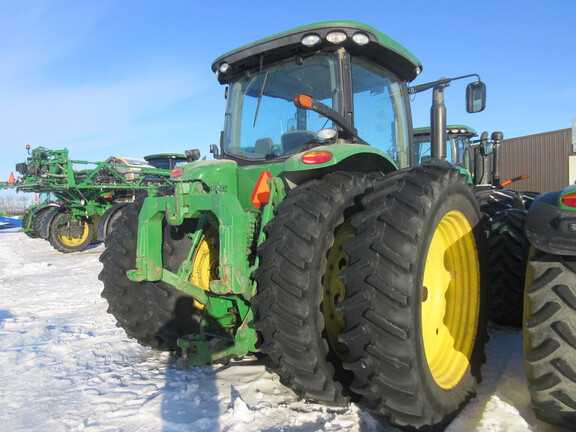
x=133, y=77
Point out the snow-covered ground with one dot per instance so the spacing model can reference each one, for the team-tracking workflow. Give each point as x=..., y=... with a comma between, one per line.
x=65, y=366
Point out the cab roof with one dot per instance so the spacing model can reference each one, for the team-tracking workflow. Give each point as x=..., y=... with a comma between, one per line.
x=450, y=129
x=165, y=156
x=380, y=49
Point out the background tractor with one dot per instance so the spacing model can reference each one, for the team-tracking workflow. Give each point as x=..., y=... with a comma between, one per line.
x=550, y=307
x=459, y=149
x=167, y=161
x=85, y=196
x=312, y=236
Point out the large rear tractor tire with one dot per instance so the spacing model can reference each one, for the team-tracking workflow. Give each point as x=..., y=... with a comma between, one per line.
x=298, y=286
x=507, y=257
x=504, y=214
x=155, y=314
x=550, y=337
x=414, y=306
x=70, y=235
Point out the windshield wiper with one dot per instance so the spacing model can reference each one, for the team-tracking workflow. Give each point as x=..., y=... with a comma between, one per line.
x=262, y=89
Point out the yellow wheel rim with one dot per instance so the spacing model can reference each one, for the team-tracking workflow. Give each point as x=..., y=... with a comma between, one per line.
x=334, y=291
x=205, y=262
x=76, y=241
x=450, y=300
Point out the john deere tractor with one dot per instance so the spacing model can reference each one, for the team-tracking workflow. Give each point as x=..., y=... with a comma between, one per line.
x=550, y=307
x=458, y=145
x=313, y=238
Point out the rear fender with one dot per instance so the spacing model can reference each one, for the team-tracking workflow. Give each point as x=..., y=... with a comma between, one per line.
x=340, y=157
x=104, y=224
x=550, y=226
x=45, y=228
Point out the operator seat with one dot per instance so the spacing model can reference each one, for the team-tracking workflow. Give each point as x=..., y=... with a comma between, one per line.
x=263, y=147
x=292, y=141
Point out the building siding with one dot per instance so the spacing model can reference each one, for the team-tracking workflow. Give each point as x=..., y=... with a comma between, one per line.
x=543, y=157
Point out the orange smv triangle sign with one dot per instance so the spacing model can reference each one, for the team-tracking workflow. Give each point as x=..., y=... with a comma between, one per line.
x=261, y=193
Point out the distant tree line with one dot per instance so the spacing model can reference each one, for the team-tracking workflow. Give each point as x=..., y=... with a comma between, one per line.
x=15, y=205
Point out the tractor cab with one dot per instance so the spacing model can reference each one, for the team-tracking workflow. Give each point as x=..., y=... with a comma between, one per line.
x=355, y=73
x=167, y=161
x=458, y=141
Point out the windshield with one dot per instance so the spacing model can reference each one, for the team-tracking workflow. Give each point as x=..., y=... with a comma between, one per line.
x=167, y=164
x=262, y=121
x=461, y=144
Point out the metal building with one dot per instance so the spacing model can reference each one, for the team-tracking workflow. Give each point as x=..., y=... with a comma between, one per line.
x=549, y=160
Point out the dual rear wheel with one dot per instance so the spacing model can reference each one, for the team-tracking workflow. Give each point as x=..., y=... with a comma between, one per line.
x=377, y=299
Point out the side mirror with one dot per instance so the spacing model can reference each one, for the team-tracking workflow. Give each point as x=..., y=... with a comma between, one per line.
x=214, y=150
x=475, y=97
x=22, y=168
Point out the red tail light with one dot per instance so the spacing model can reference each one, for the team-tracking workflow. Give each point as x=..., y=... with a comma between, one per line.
x=317, y=157
x=177, y=172
x=569, y=200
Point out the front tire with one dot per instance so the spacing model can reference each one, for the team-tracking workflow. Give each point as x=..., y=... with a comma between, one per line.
x=414, y=309
x=550, y=337
x=298, y=286
x=40, y=219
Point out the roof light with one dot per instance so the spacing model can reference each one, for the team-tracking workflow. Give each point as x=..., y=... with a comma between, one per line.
x=224, y=67
x=569, y=200
x=177, y=172
x=310, y=40
x=317, y=157
x=336, y=37
x=361, y=39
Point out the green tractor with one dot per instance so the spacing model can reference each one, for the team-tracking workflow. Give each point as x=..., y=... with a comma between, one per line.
x=167, y=161
x=550, y=307
x=86, y=196
x=313, y=238
x=458, y=145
